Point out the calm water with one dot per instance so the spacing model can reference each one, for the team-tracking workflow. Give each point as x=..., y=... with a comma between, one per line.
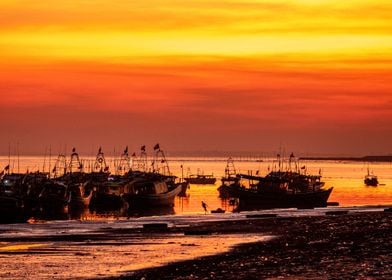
x=345, y=177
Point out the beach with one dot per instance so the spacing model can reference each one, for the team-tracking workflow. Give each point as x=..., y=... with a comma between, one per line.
x=335, y=243
x=338, y=246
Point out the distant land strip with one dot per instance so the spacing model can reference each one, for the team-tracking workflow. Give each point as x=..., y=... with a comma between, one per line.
x=365, y=158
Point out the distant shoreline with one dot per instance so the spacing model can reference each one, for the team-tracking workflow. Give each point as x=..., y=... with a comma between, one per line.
x=365, y=158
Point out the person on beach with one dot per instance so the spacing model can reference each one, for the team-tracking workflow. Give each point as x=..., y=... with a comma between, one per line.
x=204, y=205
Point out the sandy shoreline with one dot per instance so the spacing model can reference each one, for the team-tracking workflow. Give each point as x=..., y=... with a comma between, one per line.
x=348, y=246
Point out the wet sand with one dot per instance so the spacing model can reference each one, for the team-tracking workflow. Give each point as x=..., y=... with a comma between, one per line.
x=341, y=246
x=346, y=245
x=99, y=249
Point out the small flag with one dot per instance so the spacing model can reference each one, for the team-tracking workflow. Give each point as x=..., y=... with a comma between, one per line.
x=126, y=150
x=100, y=150
x=143, y=148
x=7, y=167
x=73, y=150
x=303, y=167
x=134, y=154
x=156, y=147
x=54, y=169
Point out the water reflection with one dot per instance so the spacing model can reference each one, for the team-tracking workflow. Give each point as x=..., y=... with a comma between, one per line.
x=161, y=211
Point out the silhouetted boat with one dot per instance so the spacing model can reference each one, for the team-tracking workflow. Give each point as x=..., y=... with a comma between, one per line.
x=230, y=181
x=371, y=180
x=283, y=190
x=54, y=198
x=108, y=195
x=79, y=197
x=11, y=204
x=184, y=187
x=14, y=190
x=151, y=191
x=201, y=179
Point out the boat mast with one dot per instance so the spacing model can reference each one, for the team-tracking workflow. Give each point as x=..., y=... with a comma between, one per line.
x=75, y=163
x=160, y=164
x=100, y=162
x=50, y=158
x=124, y=164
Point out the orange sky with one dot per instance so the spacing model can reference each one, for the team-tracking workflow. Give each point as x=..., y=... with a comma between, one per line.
x=313, y=76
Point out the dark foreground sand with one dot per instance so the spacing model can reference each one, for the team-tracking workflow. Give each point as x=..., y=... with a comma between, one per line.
x=341, y=246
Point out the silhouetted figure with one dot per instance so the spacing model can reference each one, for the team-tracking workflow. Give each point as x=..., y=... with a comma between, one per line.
x=204, y=205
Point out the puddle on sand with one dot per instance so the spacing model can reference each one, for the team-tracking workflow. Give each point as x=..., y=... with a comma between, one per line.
x=19, y=247
x=65, y=260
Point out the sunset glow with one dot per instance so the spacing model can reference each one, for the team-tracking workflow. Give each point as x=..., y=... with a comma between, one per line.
x=251, y=75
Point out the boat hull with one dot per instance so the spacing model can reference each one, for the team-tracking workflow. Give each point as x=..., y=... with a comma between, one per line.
x=11, y=210
x=201, y=181
x=153, y=200
x=249, y=200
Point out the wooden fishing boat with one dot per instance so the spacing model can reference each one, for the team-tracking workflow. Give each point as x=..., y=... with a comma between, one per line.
x=251, y=199
x=79, y=196
x=230, y=181
x=370, y=179
x=151, y=191
x=107, y=195
x=12, y=208
x=282, y=190
x=201, y=179
x=53, y=199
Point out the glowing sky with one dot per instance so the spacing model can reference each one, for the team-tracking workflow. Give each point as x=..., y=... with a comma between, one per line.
x=313, y=76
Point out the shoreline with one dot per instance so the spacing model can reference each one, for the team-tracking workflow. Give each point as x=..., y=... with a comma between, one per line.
x=361, y=159
x=339, y=246
x=341, y=243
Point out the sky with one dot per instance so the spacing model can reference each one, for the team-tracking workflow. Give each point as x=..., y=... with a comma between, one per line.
x=313, y=77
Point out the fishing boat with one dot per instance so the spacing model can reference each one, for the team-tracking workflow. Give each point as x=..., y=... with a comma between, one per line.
x=151, y=190
x=230, y=181
x=370, y=179
x=79, y=196
x=107, y=195
x=53, y=199
x=11, y=208
x=282, y=190
x=201, y=179
x=11, y=202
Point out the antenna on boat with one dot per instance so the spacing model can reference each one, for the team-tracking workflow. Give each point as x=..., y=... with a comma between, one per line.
x=9, y=157
x=50, y=158
x=43, y=167
x=142, y=162
x=100, y=162
x=124, y=164
x=17, y=153
x=160, y=164
x=291, y=158
x=75, y=162
x=60, y=167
